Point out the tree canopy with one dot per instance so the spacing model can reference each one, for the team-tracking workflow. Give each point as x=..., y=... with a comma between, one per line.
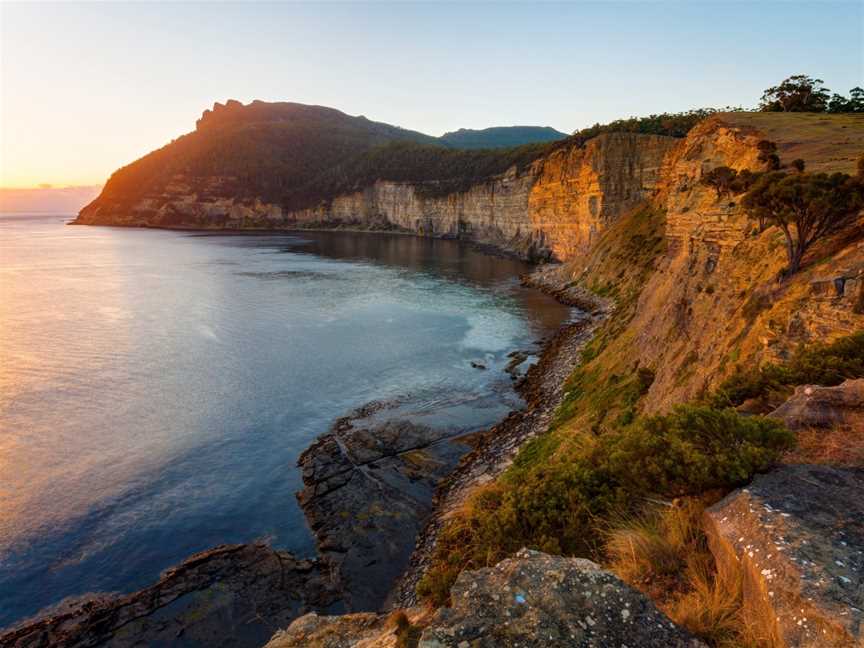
x=805, y=206
x=801, y=93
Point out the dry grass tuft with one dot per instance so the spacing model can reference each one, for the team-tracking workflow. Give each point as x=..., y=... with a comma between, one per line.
x=664, y=553
x=841, y=446
x=407, y=634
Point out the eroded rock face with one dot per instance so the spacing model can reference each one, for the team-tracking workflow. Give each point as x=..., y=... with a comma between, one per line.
x=368, y=487
x=232, y=595
x=812, y=406
x=798, y=534
x=534, y=599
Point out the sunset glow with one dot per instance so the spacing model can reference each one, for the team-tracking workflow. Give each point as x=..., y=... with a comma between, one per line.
x=89, y=88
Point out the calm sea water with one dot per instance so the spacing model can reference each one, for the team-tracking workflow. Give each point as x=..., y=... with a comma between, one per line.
x=157, y=387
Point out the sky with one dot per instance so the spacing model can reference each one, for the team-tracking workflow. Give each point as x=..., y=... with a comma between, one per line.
x=87, y=88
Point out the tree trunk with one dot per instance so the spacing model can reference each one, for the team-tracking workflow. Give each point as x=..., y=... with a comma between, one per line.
x=794, y=252
x=795, y=258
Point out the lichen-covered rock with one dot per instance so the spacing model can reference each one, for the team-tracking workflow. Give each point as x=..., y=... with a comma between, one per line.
x=812, y=406
x=798, y=535
x=539, y=600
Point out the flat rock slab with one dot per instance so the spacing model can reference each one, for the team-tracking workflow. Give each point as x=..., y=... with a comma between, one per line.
x=812, y=406
x=798, y=534
x=368, y=488
x=537, y=600
x=233, y=595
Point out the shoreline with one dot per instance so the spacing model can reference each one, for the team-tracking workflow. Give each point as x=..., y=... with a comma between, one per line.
x=542, y=388
x=487, y=248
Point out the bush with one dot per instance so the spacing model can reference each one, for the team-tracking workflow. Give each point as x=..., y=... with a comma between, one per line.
x=725, y=180
x=556, y=499
x=694, y=449
x=720, y=179
x=819, y=364
x=768, y=154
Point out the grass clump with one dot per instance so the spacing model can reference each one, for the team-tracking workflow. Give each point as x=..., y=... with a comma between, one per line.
x=557, y=495
x=818, y=364
x=664, y=553
x=407, y=634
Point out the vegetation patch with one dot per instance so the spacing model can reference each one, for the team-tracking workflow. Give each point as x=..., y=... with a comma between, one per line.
x=557, y=497
x=817, y=364
x=664, y=553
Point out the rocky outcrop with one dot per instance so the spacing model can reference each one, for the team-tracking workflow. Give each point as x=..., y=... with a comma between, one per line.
x=228, y=596
x=797, y=534
x=812, y=406
x=368, y=486
x=529, y=600
x=493, y=213
x=713, y=300
x=536, y=600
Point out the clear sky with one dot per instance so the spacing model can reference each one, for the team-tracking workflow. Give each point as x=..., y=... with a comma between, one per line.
x=86, y=88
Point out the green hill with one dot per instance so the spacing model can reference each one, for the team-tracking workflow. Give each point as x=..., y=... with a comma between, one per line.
x=500, y=137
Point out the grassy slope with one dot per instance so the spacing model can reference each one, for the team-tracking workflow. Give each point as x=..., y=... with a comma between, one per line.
x=826, y=143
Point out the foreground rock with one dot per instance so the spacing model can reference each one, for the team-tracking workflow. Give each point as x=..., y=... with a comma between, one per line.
x=538, y=600
x=361, y=630
x=798, y=535
x=232, y=595
x=368, y=487
x=812, y=406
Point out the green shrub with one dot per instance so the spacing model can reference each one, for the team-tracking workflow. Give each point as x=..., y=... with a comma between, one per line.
x=556, y=498
x=694, y=449
x=819, y=364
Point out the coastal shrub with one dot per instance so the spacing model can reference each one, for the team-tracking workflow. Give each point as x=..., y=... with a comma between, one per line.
x=720, y=179
x=817, y=364
x=768, y=154
x=725, y=180
x=556, y=496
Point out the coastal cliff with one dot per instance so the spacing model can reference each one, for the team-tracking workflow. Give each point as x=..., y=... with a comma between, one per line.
x=553, y=209
x=688, y=291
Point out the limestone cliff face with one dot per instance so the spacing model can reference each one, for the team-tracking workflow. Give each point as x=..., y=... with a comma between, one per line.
x=493, y=213
x=579, y=191
x=554, y=208
x=714, y=300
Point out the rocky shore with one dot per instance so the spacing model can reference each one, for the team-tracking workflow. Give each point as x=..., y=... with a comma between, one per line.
x=542, y=387
x=227, y=596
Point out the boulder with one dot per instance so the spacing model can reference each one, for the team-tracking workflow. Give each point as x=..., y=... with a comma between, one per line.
x=537, y=600
x=812, y=406
x=797, y=534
